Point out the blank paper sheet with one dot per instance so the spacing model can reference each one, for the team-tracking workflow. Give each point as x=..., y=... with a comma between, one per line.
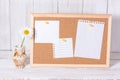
x=46, y=31
x=89, y=39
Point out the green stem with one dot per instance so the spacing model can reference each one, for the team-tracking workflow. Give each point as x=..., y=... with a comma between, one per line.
x=22, y=42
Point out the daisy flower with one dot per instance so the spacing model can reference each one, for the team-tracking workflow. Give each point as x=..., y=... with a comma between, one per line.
x=26, y=32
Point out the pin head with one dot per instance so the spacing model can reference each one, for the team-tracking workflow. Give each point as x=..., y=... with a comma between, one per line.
x=46, y=22
x=91, y=25
x=63, y=40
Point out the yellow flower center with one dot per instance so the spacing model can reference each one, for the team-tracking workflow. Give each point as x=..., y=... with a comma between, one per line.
x=26, y=32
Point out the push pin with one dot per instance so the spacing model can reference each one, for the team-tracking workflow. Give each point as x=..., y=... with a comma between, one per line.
x=63, y=40
x=46, y=22
x=91, y=25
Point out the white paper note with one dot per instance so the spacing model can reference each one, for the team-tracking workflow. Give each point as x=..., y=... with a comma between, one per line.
x=46, y=31
x=89, y=39
x=63, y=48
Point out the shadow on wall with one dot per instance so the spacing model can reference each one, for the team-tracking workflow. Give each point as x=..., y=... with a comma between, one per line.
x=115, y=34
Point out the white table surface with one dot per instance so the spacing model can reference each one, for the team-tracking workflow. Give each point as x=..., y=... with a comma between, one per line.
x=8, y=71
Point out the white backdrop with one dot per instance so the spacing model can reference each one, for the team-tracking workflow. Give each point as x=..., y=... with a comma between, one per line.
x=15, y=14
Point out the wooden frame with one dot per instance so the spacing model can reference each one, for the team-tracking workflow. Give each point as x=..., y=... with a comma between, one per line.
x=104, y=62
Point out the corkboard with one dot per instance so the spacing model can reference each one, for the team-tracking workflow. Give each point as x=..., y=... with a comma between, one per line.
x=42, y=53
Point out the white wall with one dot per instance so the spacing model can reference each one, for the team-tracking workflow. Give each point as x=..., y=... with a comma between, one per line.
x=15, y=14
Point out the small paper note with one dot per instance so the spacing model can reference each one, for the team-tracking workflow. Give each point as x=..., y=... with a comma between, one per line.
x=46, y=31
x=63, y=48
x=89, y=39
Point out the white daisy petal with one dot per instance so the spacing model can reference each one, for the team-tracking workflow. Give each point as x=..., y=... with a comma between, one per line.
x=26, y=32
